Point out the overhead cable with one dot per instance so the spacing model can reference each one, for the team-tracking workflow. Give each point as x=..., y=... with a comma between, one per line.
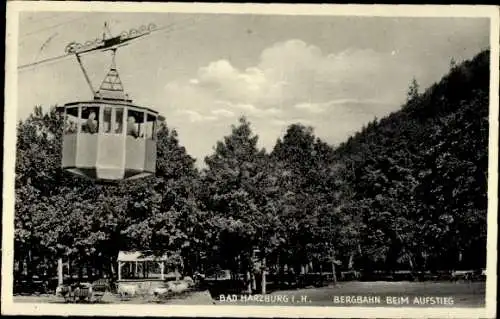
x=171, y=27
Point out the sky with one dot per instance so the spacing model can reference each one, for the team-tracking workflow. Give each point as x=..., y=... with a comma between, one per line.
x=334, y=73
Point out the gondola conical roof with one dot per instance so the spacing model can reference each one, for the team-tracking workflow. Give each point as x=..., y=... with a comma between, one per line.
x=112, y=87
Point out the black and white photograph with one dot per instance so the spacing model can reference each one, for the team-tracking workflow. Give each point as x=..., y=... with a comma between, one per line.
x=250, y=160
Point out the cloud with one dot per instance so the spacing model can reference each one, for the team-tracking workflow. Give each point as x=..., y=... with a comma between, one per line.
x=292, y=82
x=293, y=74
x=311, y=107
x=278, y=123
x=252, y=110
x=223, y=113
x=195, y=117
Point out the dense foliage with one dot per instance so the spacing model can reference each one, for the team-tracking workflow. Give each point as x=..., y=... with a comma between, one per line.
x=408, y=191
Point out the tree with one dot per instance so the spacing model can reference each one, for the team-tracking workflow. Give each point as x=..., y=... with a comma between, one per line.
x=37, y=178
x=313, y=189
x=453, y=63
x=407, y=191
x=164, y=211
x=413, y=90
x=60, y=215
x=240, y=191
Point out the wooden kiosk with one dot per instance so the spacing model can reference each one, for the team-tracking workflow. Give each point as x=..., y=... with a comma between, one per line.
x=143, y=270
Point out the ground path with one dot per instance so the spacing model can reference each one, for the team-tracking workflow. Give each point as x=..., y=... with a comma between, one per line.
x=463, y=294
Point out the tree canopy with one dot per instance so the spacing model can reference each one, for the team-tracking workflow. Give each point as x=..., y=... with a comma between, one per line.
x=408, y=191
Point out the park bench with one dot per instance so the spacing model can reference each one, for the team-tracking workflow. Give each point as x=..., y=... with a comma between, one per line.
x=350, y=275
x=99, y=288
x=462, y=274
x=75, y=292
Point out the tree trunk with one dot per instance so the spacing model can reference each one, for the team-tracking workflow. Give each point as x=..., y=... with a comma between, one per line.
x=334, y=273
x=21, y=265
x=60, y=271
x=97, y=265
x=254, y=282
x=249, y=282
x=80, y=271
x=111, y=269
x=281, y=274
x=321, y=274
x=263, y=271
x=351, y=261
x=278, y=272
x=90, y=272
x=410, y=262
x=69, y=267
x=29, y=265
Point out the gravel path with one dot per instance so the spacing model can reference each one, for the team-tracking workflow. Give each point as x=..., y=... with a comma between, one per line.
x=452, y=294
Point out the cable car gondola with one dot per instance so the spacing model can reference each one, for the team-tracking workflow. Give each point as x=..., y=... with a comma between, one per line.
x=109, y=138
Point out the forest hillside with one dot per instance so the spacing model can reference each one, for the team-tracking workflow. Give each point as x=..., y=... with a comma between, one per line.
x=418, y=178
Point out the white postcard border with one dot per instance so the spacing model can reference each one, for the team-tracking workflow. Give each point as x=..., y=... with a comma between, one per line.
x=13, y=10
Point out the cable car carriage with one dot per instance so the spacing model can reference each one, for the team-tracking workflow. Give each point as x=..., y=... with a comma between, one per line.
x=109, y=138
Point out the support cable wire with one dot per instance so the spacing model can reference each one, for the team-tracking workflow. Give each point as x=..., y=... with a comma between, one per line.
x=43, y=61
x=52, y=16
x=172, y=27
x=51, y=26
